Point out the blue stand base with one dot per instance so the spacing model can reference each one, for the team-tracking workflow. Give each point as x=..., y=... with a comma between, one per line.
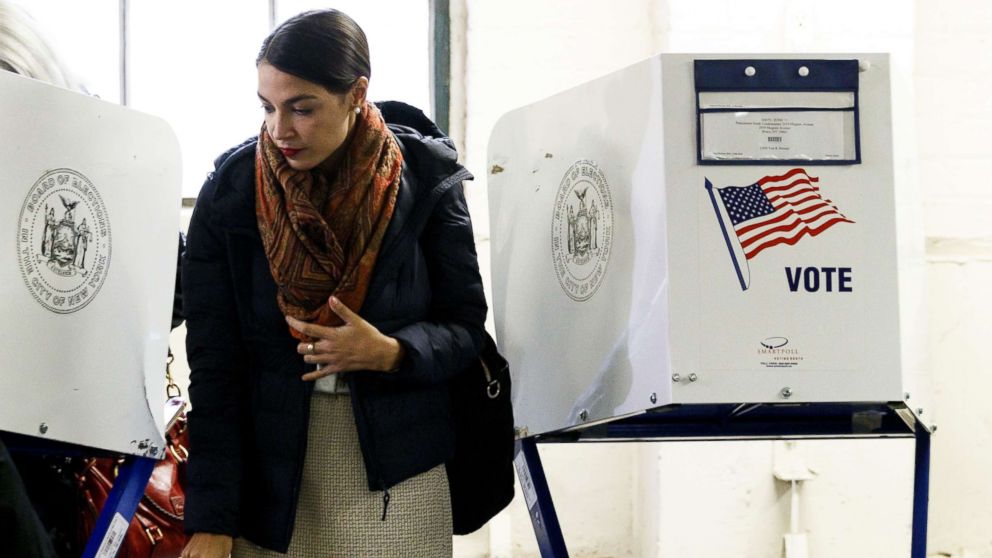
x=921, y=492
x=538, y=498
x=723, y=422
x=111, y=526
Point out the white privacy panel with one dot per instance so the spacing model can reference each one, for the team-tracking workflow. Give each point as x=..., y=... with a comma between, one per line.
x=88, y=267
x=579, y=250
x=629, y=274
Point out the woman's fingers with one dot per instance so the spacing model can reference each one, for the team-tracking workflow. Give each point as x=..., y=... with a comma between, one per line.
x=355, y=345
x=308, y=329
x=343, y=311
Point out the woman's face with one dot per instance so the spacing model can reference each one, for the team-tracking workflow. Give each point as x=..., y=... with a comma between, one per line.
x=307, y=122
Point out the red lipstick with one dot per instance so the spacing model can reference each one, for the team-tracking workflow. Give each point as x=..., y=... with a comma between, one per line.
x=289, y=153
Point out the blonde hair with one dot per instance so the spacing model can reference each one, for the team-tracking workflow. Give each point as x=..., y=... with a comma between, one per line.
x=24, y=51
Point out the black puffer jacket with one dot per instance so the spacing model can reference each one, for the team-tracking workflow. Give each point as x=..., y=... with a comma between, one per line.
x=250, y=407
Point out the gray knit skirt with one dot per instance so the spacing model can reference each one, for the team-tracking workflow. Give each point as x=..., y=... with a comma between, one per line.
x=337, y=514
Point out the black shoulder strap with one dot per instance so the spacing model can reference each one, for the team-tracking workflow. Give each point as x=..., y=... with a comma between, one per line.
x=423, y=208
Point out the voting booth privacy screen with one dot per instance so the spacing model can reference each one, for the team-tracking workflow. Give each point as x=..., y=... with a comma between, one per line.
x=88, y=261
x=698, y=229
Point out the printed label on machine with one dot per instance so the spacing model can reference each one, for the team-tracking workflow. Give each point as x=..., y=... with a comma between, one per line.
x=764, y=135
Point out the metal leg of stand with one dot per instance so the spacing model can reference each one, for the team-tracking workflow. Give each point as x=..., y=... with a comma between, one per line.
x=542, y=510
x=122, y=501
x=921, y=492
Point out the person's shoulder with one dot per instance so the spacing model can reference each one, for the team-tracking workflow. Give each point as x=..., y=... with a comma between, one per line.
x=231, y=180
x=231, y=165
x=236, y=156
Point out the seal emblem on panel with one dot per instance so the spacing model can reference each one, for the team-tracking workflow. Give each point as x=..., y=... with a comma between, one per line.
x=582, y=230
x=63, y=241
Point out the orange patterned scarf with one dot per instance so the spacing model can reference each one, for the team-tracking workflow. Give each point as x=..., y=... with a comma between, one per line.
x=322, y=230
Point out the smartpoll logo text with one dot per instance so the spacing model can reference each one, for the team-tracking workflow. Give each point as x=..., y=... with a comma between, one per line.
x=775, y=352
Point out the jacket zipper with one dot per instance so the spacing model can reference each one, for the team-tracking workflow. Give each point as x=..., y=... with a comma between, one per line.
x=370, y=440
x=385, y=502
x=436, y=192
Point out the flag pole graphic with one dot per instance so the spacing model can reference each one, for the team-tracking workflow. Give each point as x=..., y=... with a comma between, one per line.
x=739, y=266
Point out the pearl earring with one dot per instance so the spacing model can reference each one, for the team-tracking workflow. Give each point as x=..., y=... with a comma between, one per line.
x=358, y=110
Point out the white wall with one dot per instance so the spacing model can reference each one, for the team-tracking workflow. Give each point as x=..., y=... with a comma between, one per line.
x=719, y=499
x=954, y=114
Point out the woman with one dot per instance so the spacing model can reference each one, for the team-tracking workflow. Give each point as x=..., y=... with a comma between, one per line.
x=331, y=289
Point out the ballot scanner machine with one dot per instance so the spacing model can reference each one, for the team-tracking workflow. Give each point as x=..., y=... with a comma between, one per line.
x=701, y=247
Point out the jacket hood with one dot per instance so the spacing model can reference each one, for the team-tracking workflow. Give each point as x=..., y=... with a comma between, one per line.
x=427, y=149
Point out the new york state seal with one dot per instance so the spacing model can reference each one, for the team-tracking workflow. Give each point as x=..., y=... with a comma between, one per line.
x=582, y=230
x=63, y=241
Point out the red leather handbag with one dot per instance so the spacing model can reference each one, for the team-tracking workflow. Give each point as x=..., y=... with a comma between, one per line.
x=156, y=530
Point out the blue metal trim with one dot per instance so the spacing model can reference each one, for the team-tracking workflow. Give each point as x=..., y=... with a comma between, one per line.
x=857, y=128
x=33, y=445
x=777, y=109
x=776, y=75
x=542, y=511
x=722, y=422
x=789, y=162
x=699, y=132
x=747, y=421
x=921, y=492
x=123, y=499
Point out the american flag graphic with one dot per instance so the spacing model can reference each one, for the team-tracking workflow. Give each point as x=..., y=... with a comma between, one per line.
x=778, y=210
x=774, y=210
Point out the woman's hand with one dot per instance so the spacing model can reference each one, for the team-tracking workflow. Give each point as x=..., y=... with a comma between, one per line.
x=208, y=545
x=355, y=345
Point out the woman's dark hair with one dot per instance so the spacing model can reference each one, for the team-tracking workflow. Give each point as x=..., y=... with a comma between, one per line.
x=323, y=46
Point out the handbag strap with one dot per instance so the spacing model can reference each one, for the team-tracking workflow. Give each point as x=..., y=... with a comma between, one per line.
x=423, y=208
x=493, y=387
x=170, y=383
